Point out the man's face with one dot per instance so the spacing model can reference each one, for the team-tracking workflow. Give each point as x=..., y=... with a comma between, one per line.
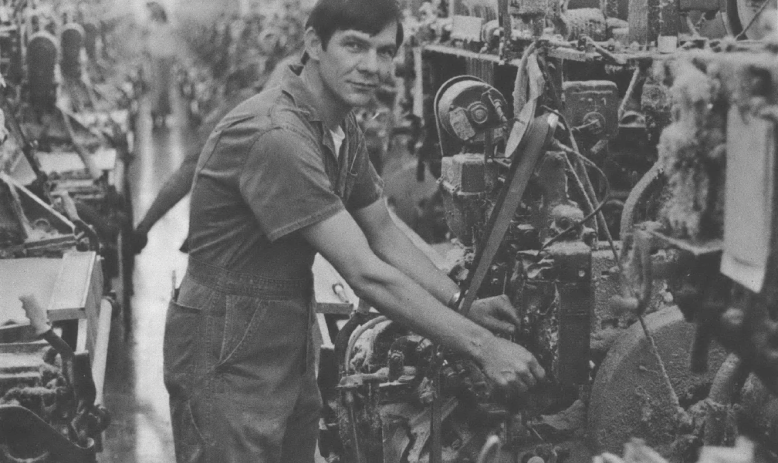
x=354, y=63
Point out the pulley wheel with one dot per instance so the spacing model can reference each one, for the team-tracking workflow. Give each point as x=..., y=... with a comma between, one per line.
x=630, y=396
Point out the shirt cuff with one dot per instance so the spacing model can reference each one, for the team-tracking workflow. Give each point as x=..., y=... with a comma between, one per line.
x=319, y=216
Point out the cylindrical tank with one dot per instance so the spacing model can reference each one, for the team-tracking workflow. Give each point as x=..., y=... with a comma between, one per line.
x=41, y=64
x=91, y=37
x=72, y=44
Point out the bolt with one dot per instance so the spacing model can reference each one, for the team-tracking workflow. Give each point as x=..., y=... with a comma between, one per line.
x=479, y=113
x=733, y=318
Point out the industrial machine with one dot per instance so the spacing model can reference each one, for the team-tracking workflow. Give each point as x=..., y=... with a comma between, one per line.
x=76, y=120
x=610, y=169
x=63, y=148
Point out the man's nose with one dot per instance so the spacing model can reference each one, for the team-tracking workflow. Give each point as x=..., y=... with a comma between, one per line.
x=369, y=62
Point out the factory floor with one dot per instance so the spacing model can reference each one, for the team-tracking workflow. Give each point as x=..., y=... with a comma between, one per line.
x=135, y=394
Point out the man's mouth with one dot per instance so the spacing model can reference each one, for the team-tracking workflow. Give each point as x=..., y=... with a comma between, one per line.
x=364, y=86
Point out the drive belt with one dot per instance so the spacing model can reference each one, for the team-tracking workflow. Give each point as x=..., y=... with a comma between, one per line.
x=523, y=161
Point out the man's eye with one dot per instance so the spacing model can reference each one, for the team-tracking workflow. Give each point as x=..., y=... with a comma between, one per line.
x=354, y=46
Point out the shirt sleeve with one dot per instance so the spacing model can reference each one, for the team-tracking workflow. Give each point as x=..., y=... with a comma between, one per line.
x=284, y=183
x=368, y=186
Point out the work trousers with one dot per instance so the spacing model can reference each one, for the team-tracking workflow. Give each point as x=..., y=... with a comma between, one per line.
x=239, y=368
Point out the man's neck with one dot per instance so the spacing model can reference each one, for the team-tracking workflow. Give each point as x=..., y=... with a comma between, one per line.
x=331, y=111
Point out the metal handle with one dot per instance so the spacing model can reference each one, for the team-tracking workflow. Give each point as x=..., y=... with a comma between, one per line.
x=490, y=452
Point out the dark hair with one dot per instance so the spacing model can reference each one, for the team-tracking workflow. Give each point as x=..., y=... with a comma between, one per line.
x=157, y=11
x=369, y=16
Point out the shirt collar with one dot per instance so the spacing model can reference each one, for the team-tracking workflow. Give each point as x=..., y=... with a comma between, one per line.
x=294, y=86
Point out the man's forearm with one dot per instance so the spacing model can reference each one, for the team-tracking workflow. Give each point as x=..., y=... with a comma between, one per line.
x=173, y=190
x=396, y=249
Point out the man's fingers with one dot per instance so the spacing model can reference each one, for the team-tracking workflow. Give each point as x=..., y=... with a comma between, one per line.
x=537, y=370
x=519, y=380
x=513, y=317
x=499, y=325
x=519, y=386
x=138, y=240
x=507, y=310
x=528, y=378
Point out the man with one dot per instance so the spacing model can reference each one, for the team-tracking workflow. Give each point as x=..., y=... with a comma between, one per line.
x=283, y=176
x=161, y=48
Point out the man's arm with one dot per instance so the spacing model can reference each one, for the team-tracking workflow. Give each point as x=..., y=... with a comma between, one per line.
x=173, y=190
x=395, y=248
x=341, y=241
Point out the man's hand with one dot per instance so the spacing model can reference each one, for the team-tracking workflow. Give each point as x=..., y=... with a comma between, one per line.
x=495, y=313
x=138, y=240
x=510, y=366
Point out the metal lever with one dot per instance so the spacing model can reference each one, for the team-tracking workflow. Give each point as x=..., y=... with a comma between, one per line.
x=528, y=152
x=28, y=149
x=71, y=211
x=490, y=452
x=76, y=369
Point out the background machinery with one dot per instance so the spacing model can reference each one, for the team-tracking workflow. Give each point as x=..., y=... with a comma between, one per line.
x=66, y=139
x=610, y=168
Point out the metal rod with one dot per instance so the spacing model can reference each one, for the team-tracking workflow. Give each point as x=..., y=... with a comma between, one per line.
x=663, y=371
x=86, y=157
x=436, y=422
x=602, y=224
x=753, y=20
x=632, y=83
x=358, y=456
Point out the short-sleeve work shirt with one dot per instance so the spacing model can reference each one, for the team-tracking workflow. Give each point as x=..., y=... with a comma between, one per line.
x=268, y=169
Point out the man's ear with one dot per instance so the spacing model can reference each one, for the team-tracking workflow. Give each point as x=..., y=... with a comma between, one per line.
x=313, y=45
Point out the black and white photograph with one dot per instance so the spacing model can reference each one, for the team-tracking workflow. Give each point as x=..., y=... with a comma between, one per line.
x=389, y=231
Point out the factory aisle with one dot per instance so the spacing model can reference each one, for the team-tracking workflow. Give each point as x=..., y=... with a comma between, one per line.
x=135, y=394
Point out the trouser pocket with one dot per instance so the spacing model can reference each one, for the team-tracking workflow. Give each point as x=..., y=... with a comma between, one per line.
x=182, y=354
x=182, y=349
x=264, y=336
x=190, y=328
x=243, y=318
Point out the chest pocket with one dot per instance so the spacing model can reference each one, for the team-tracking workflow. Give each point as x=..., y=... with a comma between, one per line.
x=343, y=172
x=352, y=169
